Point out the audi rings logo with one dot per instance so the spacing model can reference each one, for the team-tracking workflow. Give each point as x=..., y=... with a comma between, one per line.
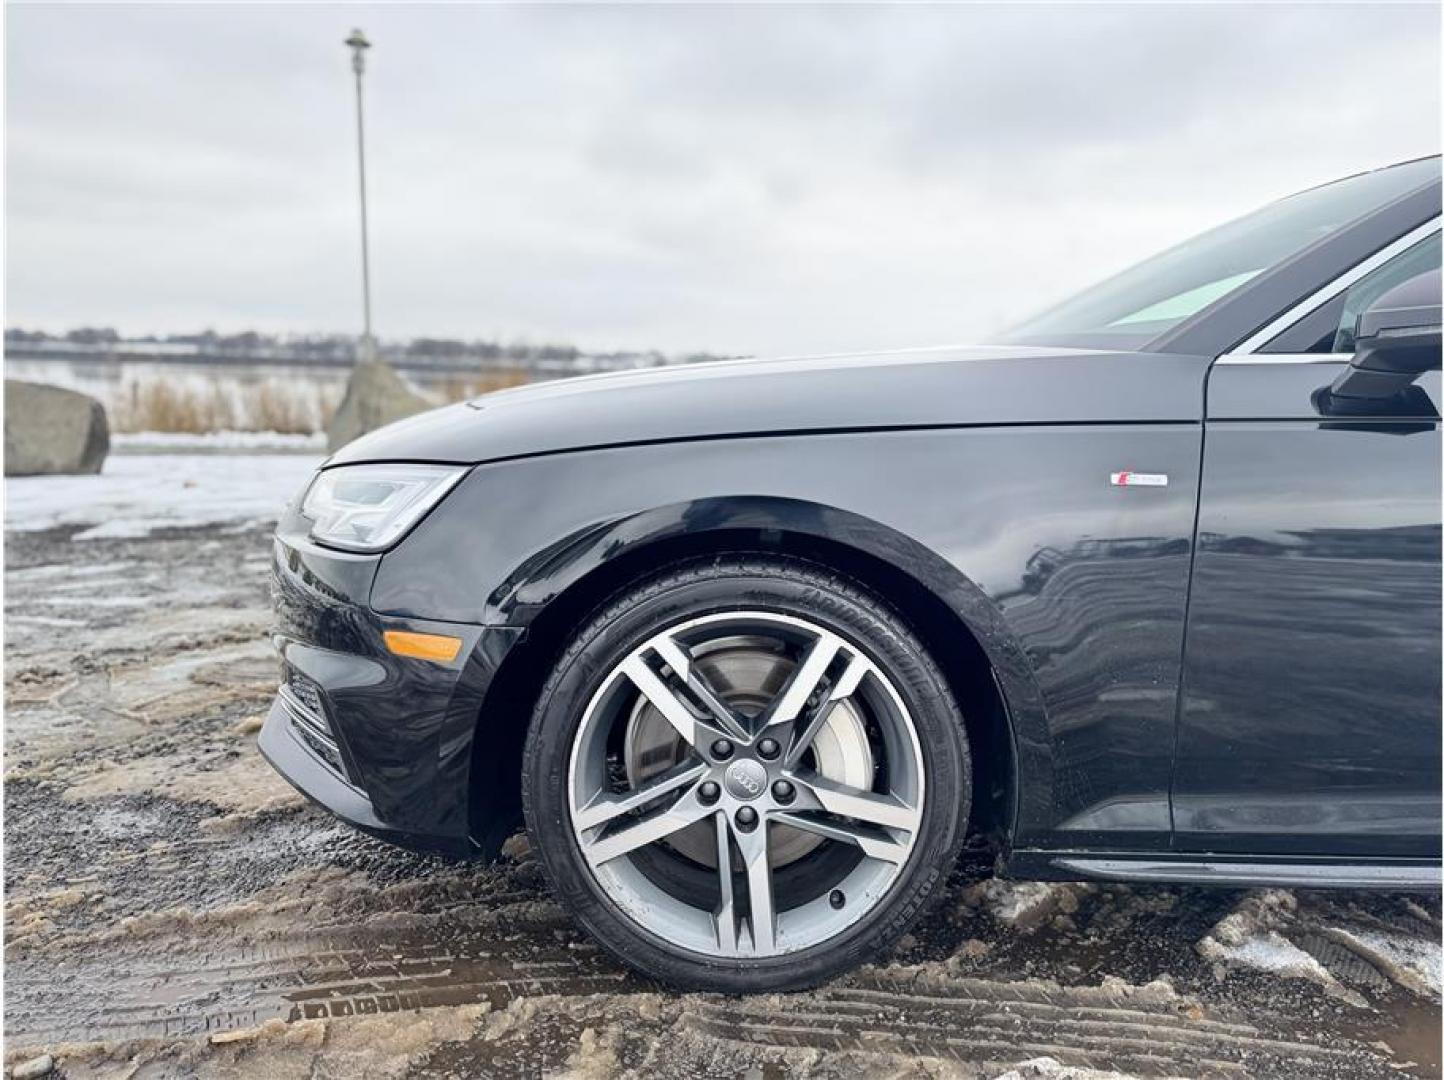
x=745, y=779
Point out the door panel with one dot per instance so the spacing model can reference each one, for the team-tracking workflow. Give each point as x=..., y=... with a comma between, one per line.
x=1310, y=713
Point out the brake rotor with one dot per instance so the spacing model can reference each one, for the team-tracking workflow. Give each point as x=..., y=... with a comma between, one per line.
x=747, y=673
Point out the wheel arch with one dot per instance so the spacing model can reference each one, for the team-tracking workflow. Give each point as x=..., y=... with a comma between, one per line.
x=555, y=590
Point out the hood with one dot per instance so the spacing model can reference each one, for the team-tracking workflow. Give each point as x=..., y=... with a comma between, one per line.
x=948, y=387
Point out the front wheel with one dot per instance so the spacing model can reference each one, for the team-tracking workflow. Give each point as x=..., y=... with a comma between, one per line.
x=746, y=774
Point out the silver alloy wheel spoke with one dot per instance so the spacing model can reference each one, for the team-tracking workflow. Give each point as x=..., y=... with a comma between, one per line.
x=762, y=916
x=670, y=650
x=605, y=808
x=648, y=830
x=803, y=684
x=846, y=686
x=874, y=844
x=666, y=702
x=726, y=913
x=824, y=757
x=870, y=808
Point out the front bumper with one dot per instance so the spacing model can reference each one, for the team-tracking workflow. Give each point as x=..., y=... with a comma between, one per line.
x=384, y=742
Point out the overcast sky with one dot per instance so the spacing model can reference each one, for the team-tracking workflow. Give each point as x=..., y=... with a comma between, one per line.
x=740, y=180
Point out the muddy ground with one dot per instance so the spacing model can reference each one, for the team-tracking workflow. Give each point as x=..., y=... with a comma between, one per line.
x=173, y=908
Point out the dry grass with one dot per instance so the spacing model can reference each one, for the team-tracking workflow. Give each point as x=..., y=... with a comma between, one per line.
x=165, y=406
x=275, y=409
x=197, y=407
x=292, y=407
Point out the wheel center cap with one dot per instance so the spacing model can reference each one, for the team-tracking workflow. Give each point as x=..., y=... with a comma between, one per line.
x=745, y=779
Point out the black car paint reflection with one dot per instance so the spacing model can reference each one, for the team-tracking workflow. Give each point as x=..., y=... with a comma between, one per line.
x=1242, y=662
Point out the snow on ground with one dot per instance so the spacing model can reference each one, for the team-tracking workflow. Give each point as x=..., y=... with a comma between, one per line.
x=1248, y=937
x=177, y=441
x=1047, y=1068
x=137, y=493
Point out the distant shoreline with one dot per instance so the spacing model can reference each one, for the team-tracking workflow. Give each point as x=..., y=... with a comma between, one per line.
x=138, y=354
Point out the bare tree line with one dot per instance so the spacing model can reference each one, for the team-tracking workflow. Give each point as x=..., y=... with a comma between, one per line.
x=331, y=348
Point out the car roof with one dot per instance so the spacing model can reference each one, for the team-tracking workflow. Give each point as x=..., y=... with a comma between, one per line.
x=1366, y=172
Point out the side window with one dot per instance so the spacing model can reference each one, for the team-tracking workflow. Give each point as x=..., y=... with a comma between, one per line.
x=1422, y=256
x=1329, y=328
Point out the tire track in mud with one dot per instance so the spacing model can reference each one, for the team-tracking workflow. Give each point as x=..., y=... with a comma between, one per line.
x=158, y=985
x=993, y=1022
x=163, y=990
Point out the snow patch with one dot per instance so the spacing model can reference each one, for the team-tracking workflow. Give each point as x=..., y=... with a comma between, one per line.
x=1411, y=962
x=597, y=1056
x=1266, y=950
x=1053, y=1069
x=172, y=441
x=136, y=494
x=1024, y=905
x=1248, y=937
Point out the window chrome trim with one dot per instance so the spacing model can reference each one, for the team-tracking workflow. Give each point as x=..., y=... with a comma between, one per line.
x=1322, y=296
x=1257, y=359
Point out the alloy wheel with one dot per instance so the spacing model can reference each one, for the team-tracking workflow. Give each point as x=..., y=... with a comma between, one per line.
x=746, y=784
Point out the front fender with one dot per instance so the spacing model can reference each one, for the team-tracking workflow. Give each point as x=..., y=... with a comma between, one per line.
x=556, y=569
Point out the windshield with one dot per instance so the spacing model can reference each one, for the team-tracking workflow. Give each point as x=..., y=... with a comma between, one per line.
x=1138, y=305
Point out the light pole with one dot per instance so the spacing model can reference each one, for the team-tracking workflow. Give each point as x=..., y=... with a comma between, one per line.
x=358, y=43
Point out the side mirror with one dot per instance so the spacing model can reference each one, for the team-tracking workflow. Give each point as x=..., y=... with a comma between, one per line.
x=1396, y=339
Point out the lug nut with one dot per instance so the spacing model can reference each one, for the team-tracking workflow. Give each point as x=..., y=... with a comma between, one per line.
x=709, y=792
x=747, y=819
x=768, y=748
x=783, y=791
x=836, y=899
x=722, y=749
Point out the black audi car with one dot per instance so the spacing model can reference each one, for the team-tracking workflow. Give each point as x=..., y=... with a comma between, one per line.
x=1146, y=590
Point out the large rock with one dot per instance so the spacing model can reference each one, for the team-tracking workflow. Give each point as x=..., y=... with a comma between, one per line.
x=50, y=430
x=375, y=397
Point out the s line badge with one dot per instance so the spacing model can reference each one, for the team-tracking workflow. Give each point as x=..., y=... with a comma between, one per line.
x=1139, y=479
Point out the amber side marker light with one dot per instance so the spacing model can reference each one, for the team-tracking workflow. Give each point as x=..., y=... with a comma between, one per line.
x=422, y=646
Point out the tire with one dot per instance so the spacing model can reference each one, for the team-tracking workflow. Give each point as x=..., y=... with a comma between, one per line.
x=836, y=833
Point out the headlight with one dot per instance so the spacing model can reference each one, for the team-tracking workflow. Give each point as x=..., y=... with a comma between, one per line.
x=370, y=507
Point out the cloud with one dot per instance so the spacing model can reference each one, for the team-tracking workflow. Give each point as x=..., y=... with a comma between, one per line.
x=738, y=179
